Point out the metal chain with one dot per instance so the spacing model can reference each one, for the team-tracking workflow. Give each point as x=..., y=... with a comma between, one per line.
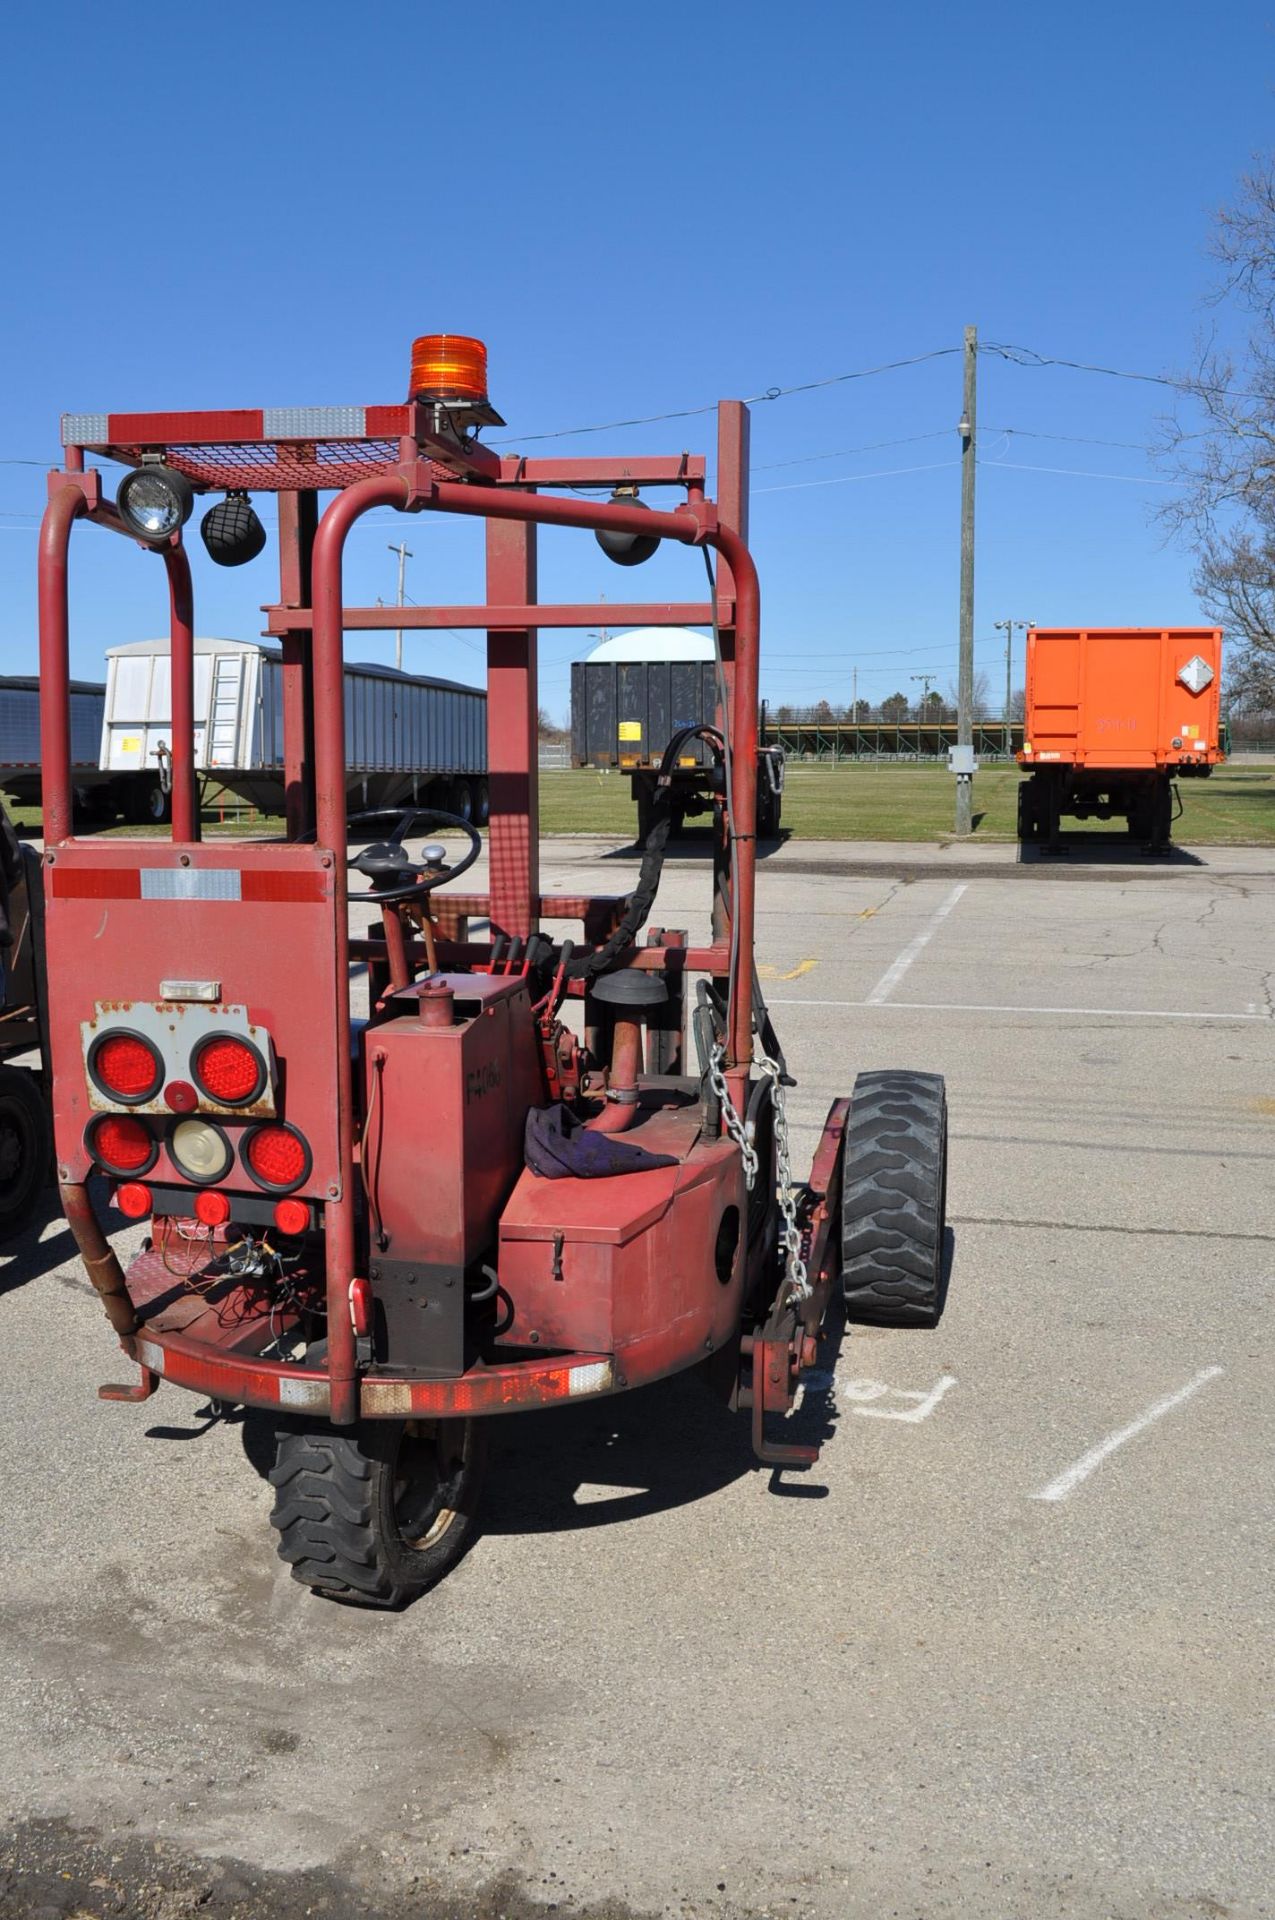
x=790, y=1233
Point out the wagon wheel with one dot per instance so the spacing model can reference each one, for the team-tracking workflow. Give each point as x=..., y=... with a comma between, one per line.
x=377, y=1515
x=26, y=1148
x=894, y=1200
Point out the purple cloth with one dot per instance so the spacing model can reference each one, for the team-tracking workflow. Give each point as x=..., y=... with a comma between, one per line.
x=560, y=1147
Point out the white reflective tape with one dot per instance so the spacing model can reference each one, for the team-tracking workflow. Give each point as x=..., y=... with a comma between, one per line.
x=387, y=1398
x=595, y=1377
x=191, y=883
x=149, y=1355
x=312, y=1394
x=84, y=429
x=313, y=423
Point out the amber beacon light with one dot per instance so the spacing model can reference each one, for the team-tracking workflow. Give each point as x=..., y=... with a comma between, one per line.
x=449, y=366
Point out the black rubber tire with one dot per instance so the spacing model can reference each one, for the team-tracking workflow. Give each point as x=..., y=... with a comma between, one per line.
x=26, y=1148
x=341, y=1506
x=894, y=1200
x=462, y=800
x=159, y=805
x=482, y=803
x=1026, y=811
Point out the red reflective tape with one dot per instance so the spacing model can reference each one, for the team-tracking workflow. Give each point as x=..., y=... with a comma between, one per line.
x=183, y=429
x=96, y=883
x=282, y=887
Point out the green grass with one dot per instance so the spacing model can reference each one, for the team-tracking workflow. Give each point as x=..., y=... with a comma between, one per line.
x=873, y=801
x=892, y=801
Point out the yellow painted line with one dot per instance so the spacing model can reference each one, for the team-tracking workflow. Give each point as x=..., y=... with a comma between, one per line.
x=802, y=966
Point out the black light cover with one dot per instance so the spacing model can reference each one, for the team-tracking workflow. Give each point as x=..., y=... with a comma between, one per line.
x=231, y=530
x=626, y=549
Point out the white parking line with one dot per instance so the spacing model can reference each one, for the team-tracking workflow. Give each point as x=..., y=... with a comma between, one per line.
x=968, y=1006
x=1071, y=1477
x=894, y=973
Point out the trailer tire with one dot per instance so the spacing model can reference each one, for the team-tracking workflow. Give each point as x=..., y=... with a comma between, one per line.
x=461, y=800
x=1027, y=823
x=26, y=1148
x=894, y=1200
x=482, y=803
x=360, y=1523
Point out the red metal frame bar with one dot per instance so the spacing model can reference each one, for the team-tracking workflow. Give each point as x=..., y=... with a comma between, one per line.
x=667, y=613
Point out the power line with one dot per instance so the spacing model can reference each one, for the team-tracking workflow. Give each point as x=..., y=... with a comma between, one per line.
x=1082, y=473
x=753, y=400
x=1029, y=357
x=843, y=479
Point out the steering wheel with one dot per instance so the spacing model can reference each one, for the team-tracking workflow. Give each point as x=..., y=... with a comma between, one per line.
x=395, y=876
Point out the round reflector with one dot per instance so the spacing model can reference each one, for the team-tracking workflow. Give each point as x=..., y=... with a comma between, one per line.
x=291, y=1216
x=133, y=1199
x=213, y=1209
x=448, y=366
x=199, y=1150
x=121, y=1144
x=228, y=1070
x=276, y=1156
x=180, y=1096
x=125, y=1067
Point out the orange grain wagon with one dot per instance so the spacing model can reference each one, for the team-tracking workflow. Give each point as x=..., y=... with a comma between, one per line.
x=1114, y=716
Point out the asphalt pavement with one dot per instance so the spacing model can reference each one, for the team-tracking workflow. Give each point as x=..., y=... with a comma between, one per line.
x=1005, y=1651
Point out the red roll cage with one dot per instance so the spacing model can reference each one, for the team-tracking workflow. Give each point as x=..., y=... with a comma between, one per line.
x=414, y=458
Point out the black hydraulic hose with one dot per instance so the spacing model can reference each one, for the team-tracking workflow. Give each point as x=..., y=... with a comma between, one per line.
x=638, y=907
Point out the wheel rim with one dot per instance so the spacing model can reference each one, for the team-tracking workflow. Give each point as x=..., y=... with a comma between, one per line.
x=425, y=1470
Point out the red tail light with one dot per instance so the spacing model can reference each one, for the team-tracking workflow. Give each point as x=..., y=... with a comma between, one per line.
x=212, y=1209
x=121, y=1144
x=292, y=1216
x=360, y=1305
x=228, y=1070
x=133, y=1199
x=276, y=1156
x=125, y=1067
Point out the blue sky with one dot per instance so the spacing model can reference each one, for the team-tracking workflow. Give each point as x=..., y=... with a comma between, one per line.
x=643, y=209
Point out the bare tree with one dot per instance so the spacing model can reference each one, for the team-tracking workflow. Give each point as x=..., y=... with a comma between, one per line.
x=982, y=700
x=1226, y=510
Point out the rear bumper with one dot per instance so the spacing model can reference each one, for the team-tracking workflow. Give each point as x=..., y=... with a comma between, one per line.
x=247, y=1380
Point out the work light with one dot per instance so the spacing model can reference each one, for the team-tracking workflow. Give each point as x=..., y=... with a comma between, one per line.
x=231, y=530
x=154, y=503
x=626, y=549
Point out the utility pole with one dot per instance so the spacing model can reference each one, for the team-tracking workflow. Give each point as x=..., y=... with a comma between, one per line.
x=1007, y=628
x=965, y=675
x=854, y=695
x=405, y=554
x=927, y=681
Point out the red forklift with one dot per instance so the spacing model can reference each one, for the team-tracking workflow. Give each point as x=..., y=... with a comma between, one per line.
x=543, y=1165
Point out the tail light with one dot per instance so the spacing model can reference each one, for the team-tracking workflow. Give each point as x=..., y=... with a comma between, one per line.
x=133, y=1199
x=212, y=1209
x=228, y=1070
x=360, y=1305
x=125, y=1066
x=121, y=1144
x=276, y=1157
x=200, y=1151
x=292, y=1216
